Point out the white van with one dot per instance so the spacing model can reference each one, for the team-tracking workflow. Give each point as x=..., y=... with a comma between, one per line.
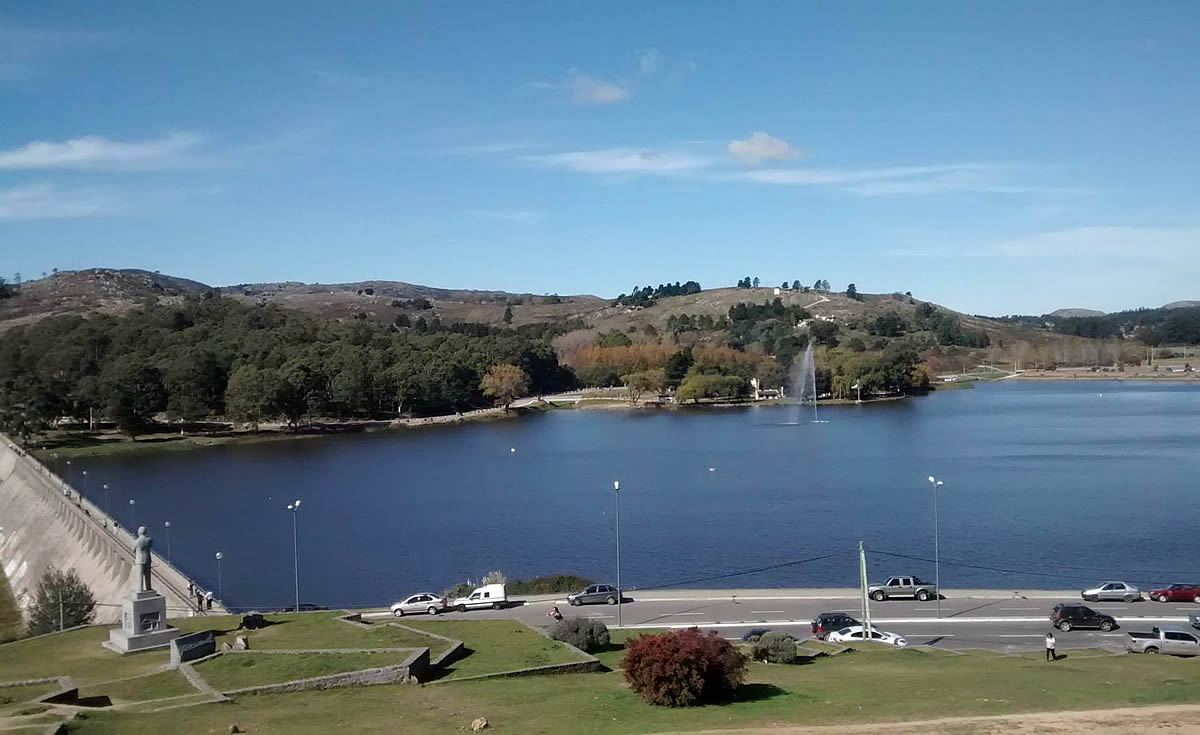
x=489, y=595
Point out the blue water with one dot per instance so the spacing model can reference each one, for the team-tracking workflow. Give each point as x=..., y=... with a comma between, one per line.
x=1048, y=484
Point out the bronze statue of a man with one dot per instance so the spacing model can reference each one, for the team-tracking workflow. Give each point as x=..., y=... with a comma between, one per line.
x=141, y=559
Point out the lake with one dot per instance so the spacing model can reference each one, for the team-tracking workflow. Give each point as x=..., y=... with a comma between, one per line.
x=1047, y=485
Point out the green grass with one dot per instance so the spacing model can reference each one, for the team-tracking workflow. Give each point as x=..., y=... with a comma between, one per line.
x=14, y=700
x=154, y=686
x=75, y=653
x=497, y=645
x=858, y=687
x=10, y=617
x=313, y=630
x=238, y=670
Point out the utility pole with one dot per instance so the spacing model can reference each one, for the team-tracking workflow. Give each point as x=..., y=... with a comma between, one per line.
x=60, y=612
x=295, y=509
x=866, y=600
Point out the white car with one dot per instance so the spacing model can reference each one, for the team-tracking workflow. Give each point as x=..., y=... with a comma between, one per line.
x=489, y=595
x=855, y=633
x=422, y=602
x=1114, y=591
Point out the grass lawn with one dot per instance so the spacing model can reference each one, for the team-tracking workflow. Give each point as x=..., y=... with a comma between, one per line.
x=497, y=645
x=10, y=619
x=312, y=630
x=237, y=670
x=154, y=686
x=863, y=686
x=75, y=653
x=16, y=700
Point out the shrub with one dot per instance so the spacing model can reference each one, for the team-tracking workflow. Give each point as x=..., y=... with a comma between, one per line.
x=547, y=585
x=776, y=648
x=586, y=635
x=496, y=577
x=682, y=668
x=62, y=601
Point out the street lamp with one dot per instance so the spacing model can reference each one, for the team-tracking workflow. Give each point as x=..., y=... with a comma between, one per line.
x=68, y=472
x=133, y=510
x=620, y=591
x=295, y=509
x=105, y=487
x=84, y=493
x=937, y=561
x=167, y=525
x=220, y=556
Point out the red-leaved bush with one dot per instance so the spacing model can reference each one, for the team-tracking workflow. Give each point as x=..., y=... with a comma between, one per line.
x=683, y=668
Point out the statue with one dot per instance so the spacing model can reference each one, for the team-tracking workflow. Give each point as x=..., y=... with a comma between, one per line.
x=141, y=559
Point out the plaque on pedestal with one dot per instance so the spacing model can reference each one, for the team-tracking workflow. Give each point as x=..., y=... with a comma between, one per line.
x=143, y=624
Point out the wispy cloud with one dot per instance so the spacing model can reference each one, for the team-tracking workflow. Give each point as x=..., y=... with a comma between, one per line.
x=590, y=91
x=761, y=147
x=624, y=161
x=97, y=152
x=523, y=216
x=648, y=60
x=43, y=201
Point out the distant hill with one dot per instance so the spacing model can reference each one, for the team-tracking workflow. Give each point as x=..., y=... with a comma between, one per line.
x=108, y=290
x=1181, y=304
x=1067, y=313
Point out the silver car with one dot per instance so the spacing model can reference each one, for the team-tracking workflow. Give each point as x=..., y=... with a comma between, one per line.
x=1112, y=591
x=903, y=587
x=605, y=593
x=422, y=602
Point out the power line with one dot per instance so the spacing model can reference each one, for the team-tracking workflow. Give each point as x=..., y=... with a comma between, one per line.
x=988, y=568
x=740, y=572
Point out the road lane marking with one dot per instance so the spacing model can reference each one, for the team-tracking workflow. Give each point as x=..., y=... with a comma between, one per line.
x=1020, y=608
x=767, y=612
x=1019, y=635
x=924, y=609
x=595, y=617
x=683, y=613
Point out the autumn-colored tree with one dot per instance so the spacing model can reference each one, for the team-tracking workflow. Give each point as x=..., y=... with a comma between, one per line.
x=504, y=383
x=682, y=668
x=646, y=381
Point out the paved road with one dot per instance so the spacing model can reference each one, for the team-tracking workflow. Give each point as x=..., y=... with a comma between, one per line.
x=986, y=619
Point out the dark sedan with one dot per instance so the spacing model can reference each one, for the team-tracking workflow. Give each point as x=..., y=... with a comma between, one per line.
x=595, y=593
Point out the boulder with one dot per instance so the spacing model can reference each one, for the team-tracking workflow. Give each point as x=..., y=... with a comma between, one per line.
x=240, y=643
x=226, y=647
x=478, y=724
x=234, y=728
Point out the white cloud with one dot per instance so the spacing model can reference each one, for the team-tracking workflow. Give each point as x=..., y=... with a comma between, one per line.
x=42, y=201
x=624, y=161
x=589, y=91
x=648, y=60
x=96, y=152
x=760, y=147
x=523, y=216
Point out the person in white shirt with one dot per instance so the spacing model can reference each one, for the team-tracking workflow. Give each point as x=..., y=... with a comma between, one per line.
x=1050, y=655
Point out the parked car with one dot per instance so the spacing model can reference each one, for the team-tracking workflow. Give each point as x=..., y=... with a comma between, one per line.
x=1177, y=593
x=422, y=602
x=1171, y=641
x=1112, y=591
x=826, y=623
x=903, y=587
x=1067, y=615
x=1194, y=619
x=489, y=595
x=855, y=633
x=594, y=593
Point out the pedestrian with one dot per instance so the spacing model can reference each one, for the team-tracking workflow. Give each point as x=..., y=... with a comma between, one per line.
x=554, y=613
x=191, y=588
x=1050, y=654
x=199, y=599
x=208, y=598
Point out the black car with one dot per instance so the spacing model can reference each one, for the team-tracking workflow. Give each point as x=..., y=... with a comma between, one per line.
x=826, y=623
x=1069, y=615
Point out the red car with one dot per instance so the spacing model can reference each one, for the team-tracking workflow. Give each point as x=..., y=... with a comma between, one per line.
x=1177, y=593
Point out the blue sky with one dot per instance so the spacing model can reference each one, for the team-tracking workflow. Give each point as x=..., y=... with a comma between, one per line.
x=996, y=158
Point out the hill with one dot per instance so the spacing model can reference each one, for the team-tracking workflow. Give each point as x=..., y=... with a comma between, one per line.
x=108, y=290
x=1181, y=304
x=1066, y=313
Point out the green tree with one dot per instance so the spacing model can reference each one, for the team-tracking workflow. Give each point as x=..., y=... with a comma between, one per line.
x=701, y=386
x=508, y=315
x=134, y=393
x=770, y=374
x=852, y=292
x=796, y=285
x=614, y=338
x=784, y=286
x=62, y=601
x=195, y=384
x=677, y=366
x=646, y=381
x=756, y=282
x=250, y=393
x=504, y=383
x=823, y=333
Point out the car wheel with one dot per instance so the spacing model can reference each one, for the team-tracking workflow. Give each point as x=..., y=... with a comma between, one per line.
x=878, y=596
x=611, y=600
x=461, y=608
x=1106, y=625
x=1196, y=599
x=1162, y=598
x=922, y=595
x=1064, y=626
x=1130, y=598
x=432, y=610
x=1152, y=649
x=398, y=613
x=497, y=605
x=575, y=602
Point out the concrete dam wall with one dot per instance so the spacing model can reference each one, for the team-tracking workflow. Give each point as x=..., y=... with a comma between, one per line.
x=44, y=523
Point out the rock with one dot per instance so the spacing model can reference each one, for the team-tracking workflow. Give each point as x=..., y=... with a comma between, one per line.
x=226, y=647
x=241, y=644
x=478, y=724
x=235, y=728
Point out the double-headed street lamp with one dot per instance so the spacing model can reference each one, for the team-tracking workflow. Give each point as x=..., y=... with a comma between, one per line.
x=295, y=509
x=620, y=590
x=937, y=562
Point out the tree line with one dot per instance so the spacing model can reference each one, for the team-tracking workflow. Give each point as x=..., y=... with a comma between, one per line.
x=649, y=294
x=214, y=357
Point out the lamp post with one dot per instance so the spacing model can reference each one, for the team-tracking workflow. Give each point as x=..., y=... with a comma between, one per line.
x=295, y=509
x=84, y=493
x=220, y=556
x=105, y=488
x=620, y=590
x=133, y=510
x=68, y=472
x=167, y=525
x=937, y=561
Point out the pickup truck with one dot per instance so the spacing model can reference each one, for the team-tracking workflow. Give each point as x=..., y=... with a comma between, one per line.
x=903, y=587
x=1170, y=641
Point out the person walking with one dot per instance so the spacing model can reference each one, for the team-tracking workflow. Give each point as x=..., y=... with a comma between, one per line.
x=199, y=600
x=208, y=599
x=1050, y=654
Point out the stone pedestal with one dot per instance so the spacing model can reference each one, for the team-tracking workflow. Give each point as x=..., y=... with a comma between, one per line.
x=143, y=624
